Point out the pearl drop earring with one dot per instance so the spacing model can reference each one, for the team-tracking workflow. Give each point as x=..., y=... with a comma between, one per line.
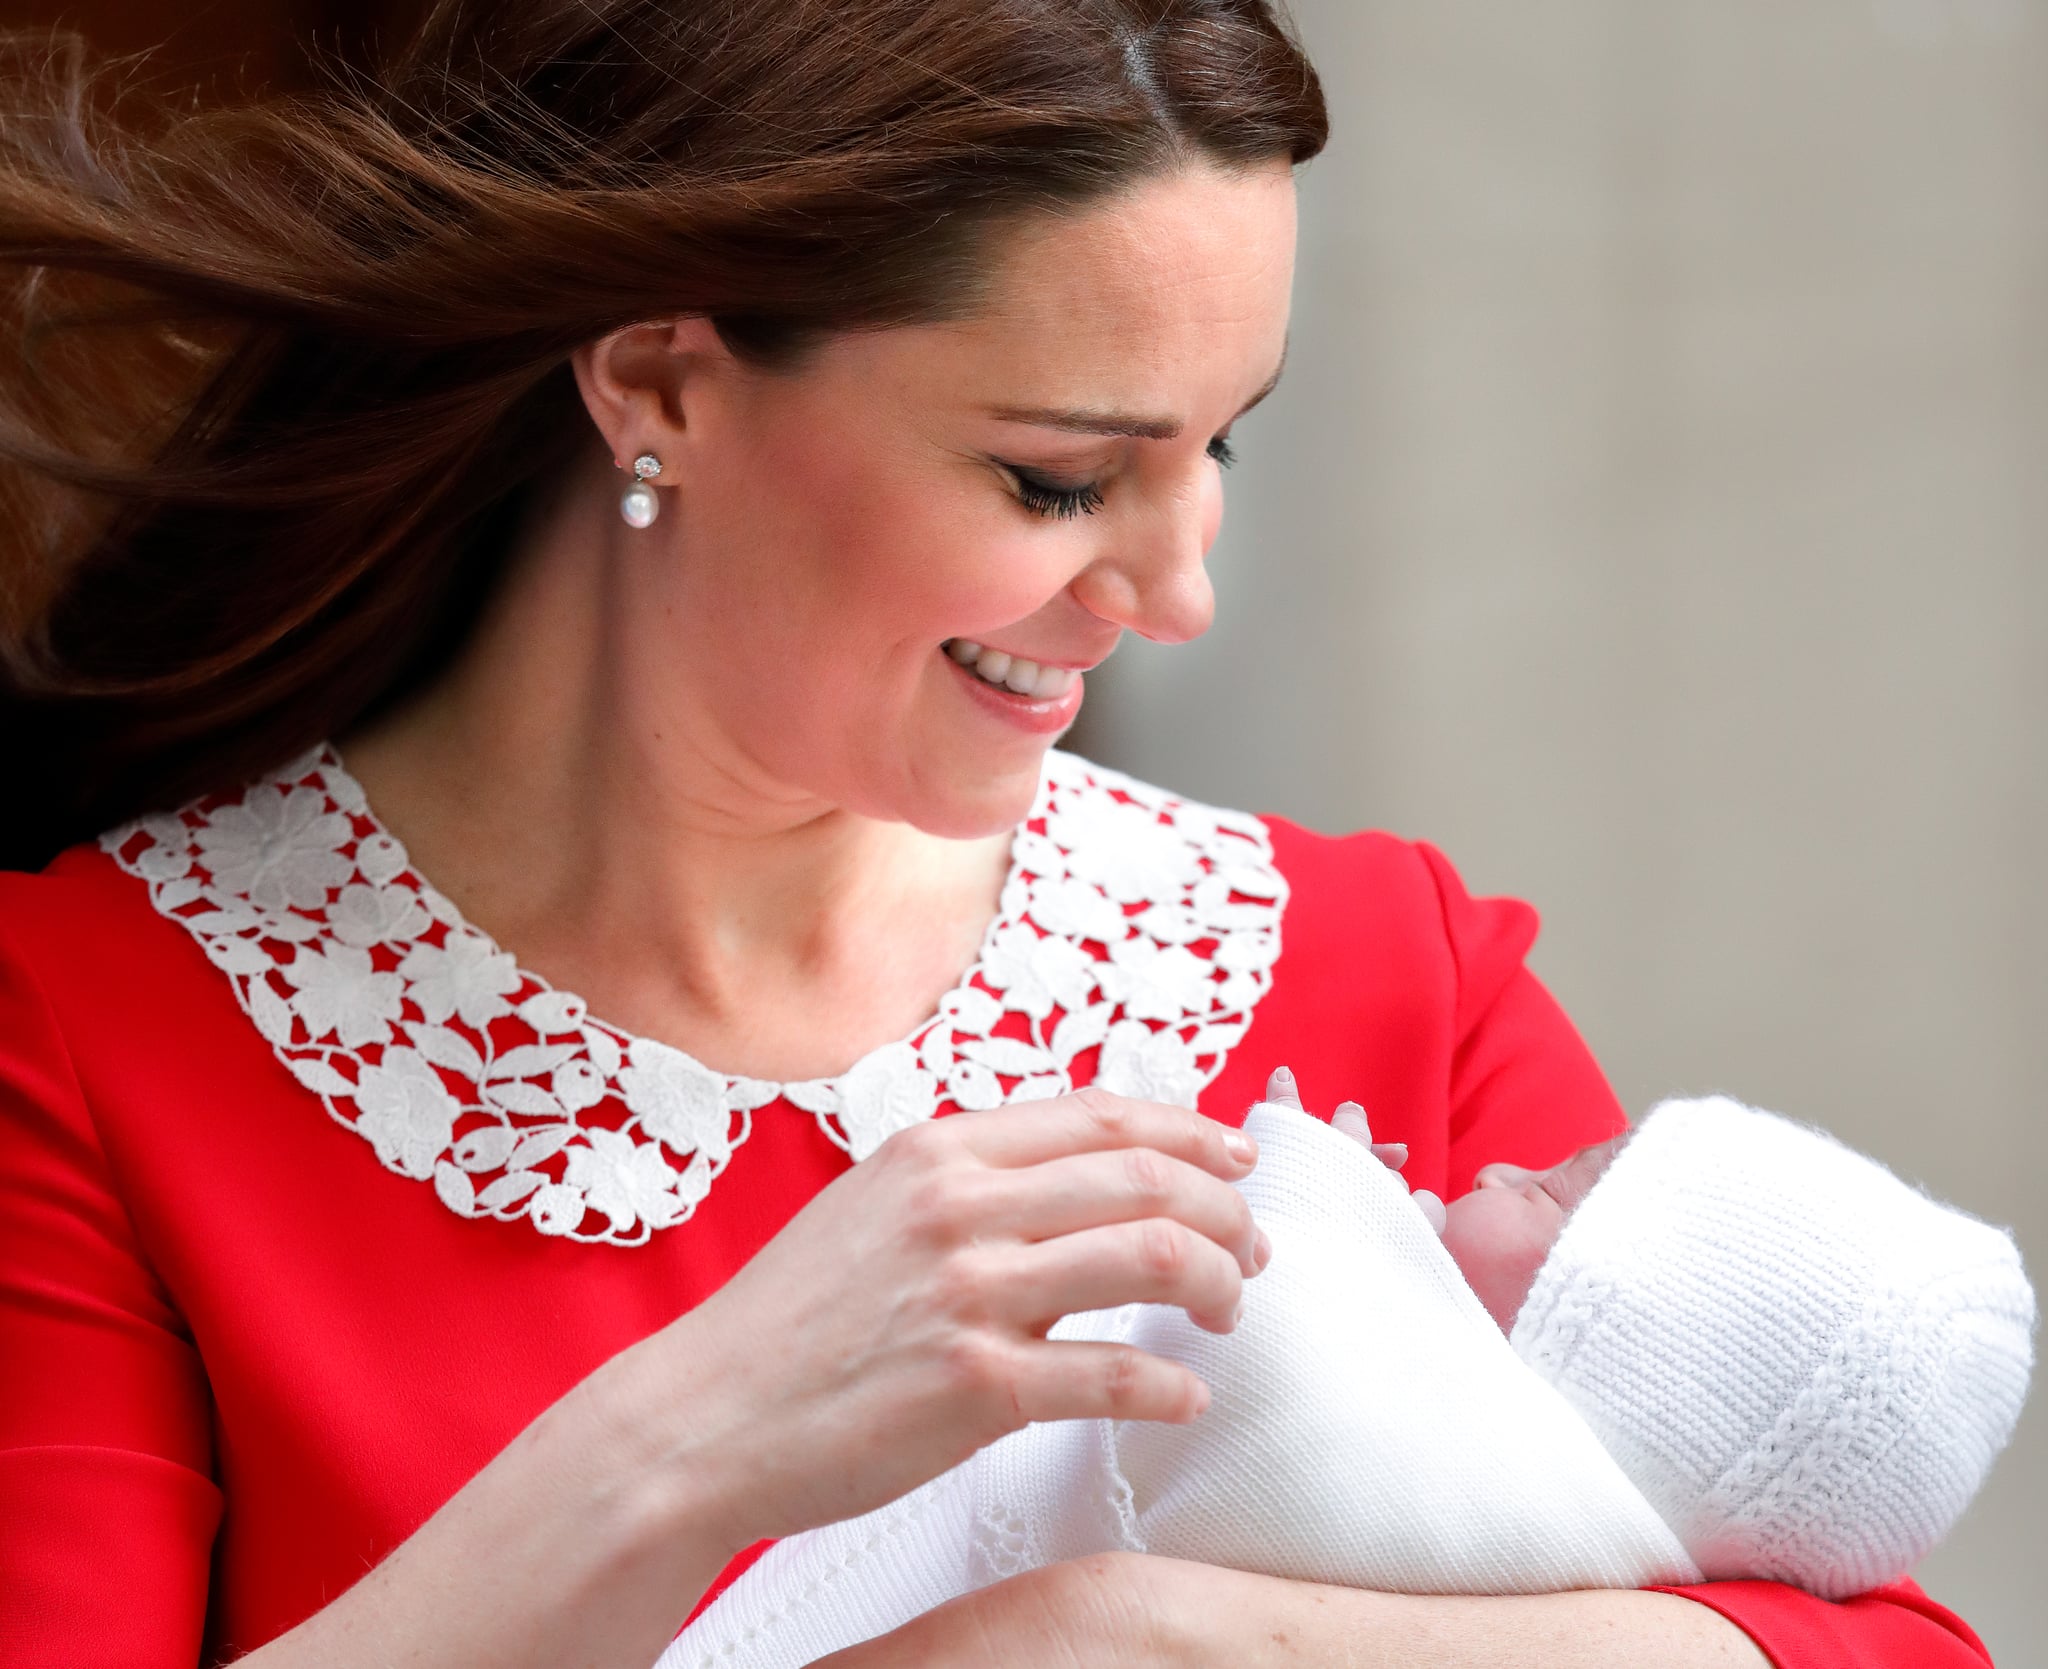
x=639, y=505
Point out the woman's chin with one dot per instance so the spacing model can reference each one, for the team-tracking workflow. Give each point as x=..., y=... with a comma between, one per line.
x=974, y=800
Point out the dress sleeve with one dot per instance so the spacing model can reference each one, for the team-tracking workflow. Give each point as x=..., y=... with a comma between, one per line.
x=107, y=1504
x=1524, y=1087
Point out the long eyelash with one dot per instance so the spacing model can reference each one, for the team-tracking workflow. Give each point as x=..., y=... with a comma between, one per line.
x=1063, y=503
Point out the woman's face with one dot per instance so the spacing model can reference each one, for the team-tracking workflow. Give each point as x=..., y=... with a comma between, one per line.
x=1032, y=483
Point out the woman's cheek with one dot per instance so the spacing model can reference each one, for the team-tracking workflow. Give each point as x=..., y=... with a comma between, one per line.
x=1007, y=575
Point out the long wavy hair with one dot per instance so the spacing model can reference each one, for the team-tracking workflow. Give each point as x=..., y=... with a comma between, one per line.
x=279, y=380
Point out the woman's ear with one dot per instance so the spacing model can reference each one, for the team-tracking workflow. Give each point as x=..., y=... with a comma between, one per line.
x=640, y=384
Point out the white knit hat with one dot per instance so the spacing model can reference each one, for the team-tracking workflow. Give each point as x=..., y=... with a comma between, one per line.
x=1806, y=1365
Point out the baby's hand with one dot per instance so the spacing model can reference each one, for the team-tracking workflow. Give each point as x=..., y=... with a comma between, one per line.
x=1567, y=1182
x=1350, y=1119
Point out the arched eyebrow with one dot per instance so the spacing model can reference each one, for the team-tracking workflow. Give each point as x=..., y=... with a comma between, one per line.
x=1117, y=423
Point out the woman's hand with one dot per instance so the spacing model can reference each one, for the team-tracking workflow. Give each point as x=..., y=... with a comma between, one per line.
x=897, y=1323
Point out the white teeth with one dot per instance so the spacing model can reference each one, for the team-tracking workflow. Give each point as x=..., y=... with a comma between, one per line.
x=1012, y=672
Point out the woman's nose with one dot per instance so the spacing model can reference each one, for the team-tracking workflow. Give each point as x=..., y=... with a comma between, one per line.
x=1153, y=581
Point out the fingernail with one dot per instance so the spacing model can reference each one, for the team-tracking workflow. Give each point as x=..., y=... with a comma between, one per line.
x=1236, y=1310
x=1262, y=1250
x=1242, y=1148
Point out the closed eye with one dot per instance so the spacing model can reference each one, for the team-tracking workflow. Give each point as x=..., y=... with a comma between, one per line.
x=1049, y=498
x=1063, y=503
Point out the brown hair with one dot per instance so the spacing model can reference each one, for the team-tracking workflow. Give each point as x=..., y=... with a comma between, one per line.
x=342, y=322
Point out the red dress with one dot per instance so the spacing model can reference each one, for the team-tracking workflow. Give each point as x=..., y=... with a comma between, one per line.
x=302, y=1217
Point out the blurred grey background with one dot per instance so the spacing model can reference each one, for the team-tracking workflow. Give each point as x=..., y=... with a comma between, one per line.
x=1655, y=516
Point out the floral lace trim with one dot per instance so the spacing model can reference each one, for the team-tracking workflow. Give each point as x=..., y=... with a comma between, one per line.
x=1135, y=935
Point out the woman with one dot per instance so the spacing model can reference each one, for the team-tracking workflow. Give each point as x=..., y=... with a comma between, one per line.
x=662, y=472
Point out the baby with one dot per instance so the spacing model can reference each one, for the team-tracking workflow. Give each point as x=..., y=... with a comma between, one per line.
x=1804, y=1365
x=1724, y=1345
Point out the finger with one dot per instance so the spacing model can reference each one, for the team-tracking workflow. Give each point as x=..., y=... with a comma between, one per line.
x=1349, y=1123
x=1074, y=1379
x=1155, y=1261
x=1568, y=1181
x=1352, y=1113
x=1123, y=1185
x=1093, y=1120
x=1432, y=1209
x=1281, y=1091
x=1349, y=1119
x=1572, y=1181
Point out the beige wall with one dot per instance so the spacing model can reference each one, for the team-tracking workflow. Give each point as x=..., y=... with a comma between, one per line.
x=1656, y=517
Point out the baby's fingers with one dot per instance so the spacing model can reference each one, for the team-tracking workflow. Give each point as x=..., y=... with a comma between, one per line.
x=1351, y=1120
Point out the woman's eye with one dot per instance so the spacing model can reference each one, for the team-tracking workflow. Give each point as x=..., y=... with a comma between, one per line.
x=1048, y=498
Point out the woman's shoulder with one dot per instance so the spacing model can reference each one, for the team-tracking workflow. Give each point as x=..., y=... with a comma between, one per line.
x=79, y=906
x=91, y=957
x=85, y=962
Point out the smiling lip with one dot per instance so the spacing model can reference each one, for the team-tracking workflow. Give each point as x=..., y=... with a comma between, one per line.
x=1036, y=680
x=1041, y=714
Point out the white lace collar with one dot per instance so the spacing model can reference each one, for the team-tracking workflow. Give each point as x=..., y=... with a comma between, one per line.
x=1133, y=925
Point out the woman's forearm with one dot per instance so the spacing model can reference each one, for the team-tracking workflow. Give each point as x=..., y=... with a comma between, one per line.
x=1271, y=1622
x=1126, y=1610
x=576, y=1546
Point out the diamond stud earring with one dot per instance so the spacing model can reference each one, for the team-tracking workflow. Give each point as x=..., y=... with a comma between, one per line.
x=639, y=505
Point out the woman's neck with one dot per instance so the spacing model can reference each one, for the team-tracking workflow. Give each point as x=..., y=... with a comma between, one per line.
x=625, y=852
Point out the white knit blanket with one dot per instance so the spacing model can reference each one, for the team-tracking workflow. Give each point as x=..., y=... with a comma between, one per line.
x=1369, y=1426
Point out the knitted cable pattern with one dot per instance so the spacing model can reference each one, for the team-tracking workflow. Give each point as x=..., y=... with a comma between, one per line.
x=1807, y=1366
